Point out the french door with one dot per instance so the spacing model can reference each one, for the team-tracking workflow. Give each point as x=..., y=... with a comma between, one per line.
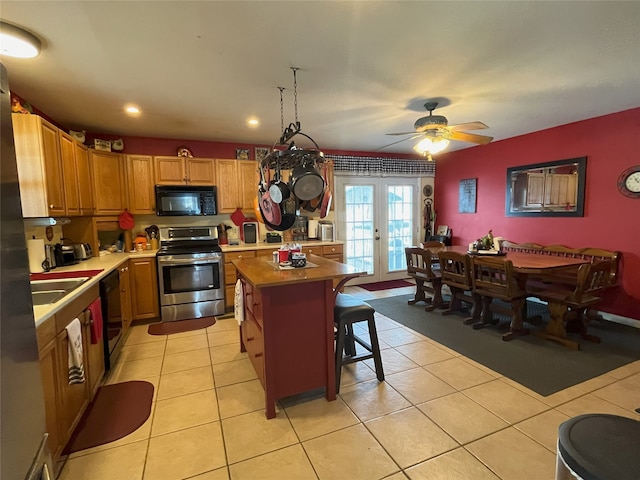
x=377, y=218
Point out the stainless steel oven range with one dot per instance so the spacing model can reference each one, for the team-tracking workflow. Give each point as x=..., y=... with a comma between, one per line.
x=190, y=273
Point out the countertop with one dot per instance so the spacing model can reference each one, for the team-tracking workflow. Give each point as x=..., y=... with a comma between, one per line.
x=262, y=272
x=275, y=246
x=106, y=263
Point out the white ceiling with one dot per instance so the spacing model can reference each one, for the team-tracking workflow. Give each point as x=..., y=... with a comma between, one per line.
x=199, y=69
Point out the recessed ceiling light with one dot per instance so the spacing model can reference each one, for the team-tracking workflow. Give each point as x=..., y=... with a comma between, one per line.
x=132, y=110
x=253, y=122
x=16, y=42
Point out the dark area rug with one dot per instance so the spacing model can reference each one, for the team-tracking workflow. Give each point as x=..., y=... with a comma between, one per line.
x=374, y=287
x=179, y=326
x=541, y=365
x=117, y=410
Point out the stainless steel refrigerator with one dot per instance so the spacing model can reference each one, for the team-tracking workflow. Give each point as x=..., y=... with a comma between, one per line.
x=23, y=448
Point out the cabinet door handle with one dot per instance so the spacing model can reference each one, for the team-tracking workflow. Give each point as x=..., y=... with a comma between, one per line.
x=250, y=339
x=257, y=355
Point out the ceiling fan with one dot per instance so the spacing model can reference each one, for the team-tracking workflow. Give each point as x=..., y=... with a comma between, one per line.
x=436, y=129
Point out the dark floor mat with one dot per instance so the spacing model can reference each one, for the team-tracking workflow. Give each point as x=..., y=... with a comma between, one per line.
x=541, y=365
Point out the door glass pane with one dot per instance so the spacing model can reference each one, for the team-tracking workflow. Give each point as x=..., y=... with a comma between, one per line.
x=400, y=221
x=359, y=226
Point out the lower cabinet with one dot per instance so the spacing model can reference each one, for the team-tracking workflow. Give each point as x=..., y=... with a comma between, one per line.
x=143, y=273
x=125, y=298
x=64, y=403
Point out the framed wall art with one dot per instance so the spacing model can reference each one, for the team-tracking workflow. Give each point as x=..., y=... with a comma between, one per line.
x=242, y=154
x=467, y=196
x=261, y=152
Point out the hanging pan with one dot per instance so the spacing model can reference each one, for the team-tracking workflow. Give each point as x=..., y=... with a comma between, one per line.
x=268, y=208
x=306, y=182
x=326, y=198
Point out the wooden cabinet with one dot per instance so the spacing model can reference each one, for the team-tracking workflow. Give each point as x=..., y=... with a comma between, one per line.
x=140, y=184
x=86, y=229
x=83, y=172
x=248, y=180
x=69, y=174
x=50, y=375
x=229, y=189
x=78, y=191
x=108, y=182
x=184, y=171
x=288, y=334
x=333, y=252
x=125, y=298
x=39, y=166
x=143, y=274
x=64, y=403
x=230, y=274
x=251, y=330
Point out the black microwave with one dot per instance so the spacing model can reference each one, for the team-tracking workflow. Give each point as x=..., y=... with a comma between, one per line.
x=180, y=200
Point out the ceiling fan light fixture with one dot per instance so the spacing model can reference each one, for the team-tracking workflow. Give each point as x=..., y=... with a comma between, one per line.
x=430, y=146
x=16, y=42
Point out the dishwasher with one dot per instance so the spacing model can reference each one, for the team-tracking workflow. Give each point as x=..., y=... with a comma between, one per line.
x=111, y=317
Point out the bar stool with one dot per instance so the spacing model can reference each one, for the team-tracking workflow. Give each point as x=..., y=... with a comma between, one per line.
x=347, y=311
x=598, y=447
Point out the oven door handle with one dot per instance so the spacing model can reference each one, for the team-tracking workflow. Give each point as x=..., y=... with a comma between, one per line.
x=189, y=261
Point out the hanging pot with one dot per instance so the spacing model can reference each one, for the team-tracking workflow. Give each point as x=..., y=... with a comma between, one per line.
x=279, y=190
x=306, y=182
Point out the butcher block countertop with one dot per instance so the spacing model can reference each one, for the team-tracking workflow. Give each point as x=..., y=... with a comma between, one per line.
x=263, y=272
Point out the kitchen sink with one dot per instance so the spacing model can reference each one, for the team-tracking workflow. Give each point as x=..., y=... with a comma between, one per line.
x=45, y=292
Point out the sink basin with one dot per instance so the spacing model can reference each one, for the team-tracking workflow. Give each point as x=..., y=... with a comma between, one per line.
x=66, y=284
x=45, y=292
x=45, y=298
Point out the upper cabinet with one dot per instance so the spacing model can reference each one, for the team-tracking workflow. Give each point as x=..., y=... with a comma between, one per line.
x=140, y=184
x=53, y=169
x=237, y=182
x=184, y=171
x=109, y=185
x=39, y=166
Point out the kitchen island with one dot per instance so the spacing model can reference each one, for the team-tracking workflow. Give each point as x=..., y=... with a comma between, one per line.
x=287, y=329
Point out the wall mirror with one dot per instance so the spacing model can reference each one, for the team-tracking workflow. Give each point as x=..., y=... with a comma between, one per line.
x=551, y=189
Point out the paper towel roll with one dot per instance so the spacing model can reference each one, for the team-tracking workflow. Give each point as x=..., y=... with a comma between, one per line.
x=313, y=229
x=35, y=250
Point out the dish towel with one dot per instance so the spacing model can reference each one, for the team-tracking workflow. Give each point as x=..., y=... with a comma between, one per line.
x=76, y=367
x=238, y=303
x=95, y=309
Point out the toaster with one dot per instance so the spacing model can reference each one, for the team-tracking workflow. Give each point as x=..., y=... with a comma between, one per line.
x=82, y=251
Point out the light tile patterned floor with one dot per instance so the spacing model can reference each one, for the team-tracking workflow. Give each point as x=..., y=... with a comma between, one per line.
x=437, y=416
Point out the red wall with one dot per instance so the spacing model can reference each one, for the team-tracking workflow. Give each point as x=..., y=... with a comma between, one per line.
x=611, y=221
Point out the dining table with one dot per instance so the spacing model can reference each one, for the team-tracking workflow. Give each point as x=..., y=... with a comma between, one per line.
x=526, y=265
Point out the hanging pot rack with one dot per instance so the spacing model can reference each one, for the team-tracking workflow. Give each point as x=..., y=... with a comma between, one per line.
x=285, y=155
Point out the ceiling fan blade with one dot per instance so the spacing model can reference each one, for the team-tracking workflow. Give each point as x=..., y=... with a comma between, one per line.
x=468, y=126
x=400, y=141
x=403, y=133
x=469, y=137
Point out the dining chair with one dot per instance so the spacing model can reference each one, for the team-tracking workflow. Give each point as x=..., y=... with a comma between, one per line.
x=419, y=267
x=567, y=307
x=495, y=278
x=455, y=269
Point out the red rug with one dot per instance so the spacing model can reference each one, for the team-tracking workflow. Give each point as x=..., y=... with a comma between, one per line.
x=374, y=287
x=179, y=326
x=116, y=411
